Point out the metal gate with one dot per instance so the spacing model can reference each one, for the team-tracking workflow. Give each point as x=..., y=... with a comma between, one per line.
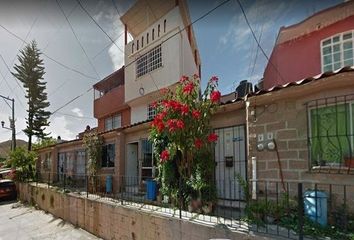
x=230, y=157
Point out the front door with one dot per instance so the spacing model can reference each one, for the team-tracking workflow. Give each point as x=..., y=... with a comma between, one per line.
x=230, y=157
x=132, y=167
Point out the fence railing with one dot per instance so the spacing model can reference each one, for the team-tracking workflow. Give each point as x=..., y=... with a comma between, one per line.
x=291, y=210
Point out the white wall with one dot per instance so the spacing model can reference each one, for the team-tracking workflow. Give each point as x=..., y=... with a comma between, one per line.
x=177, y=60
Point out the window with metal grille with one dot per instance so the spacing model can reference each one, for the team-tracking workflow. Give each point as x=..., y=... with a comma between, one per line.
x=108, y=155
x=151, y=111
x=337, y=51
x=331, y=133
x=149, y=61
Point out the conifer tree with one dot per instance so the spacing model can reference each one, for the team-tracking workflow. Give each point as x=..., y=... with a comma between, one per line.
x=30, y=72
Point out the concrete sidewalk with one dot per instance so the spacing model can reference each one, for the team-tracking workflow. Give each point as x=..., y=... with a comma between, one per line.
x=22, y=222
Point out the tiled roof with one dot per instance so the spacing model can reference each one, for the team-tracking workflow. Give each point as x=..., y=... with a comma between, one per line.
x=295, y=83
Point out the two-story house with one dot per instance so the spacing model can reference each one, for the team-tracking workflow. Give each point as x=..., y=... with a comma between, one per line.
x=322, y=42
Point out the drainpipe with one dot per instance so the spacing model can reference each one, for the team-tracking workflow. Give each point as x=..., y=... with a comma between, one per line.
x=253, y=159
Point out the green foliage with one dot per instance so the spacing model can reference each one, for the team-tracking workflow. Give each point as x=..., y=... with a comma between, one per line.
x=182, y=139
x=42, y=143
x=30, y=72
x=93, y=145
x=24, y=163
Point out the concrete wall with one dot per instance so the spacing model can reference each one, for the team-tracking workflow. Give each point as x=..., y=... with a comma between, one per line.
x=112, y=221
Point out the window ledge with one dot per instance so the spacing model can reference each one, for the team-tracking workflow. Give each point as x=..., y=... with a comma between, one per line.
x=332, y=169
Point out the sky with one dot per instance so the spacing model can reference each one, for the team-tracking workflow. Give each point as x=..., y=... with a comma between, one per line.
x=225, y=43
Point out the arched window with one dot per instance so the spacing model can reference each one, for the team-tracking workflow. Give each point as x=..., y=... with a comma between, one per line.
x=153, y=34
x=158, y=30
x=137, y=44
x=147, y=38
x=142, y=41
x=164, y=26
x=132, y=48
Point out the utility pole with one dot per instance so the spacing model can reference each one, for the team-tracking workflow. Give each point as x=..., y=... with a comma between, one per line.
x=12, y=121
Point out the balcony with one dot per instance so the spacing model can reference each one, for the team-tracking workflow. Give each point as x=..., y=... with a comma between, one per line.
x=109, y=95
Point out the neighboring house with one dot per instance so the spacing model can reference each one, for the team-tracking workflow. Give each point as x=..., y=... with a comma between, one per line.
x=162, y=50
x=109, y=107
x=322, y=42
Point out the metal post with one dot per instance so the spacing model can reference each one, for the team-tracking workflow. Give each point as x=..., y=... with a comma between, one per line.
x=300, y=211
x=13, y=126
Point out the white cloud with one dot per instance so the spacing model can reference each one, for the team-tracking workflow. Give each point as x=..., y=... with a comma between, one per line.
x=77, y=111
x=59, y=127
x=117, y=57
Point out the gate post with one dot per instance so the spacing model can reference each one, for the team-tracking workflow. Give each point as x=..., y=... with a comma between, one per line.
x=300, y=211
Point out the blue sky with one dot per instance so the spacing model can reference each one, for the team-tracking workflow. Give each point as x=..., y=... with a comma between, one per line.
x=224, y=40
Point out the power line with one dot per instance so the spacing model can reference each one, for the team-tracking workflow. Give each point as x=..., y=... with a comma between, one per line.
x=11, y=74
x=77, y=38
x=8, y=85
x=255, y=38
x=74, y=116
x=88, y=14
x=108, y=45
x=54, y=60
x=116, y=7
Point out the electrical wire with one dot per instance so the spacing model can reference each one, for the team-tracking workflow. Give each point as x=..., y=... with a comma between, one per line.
x=74, y=116
x=77, y=38
x=88, y=14
x=255, y=38
x=49, y=57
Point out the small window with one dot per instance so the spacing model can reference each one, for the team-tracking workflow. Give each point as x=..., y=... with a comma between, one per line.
x=337, y=51
x=132, y=48
x=147, y=38
x=108, y=155
x=137, y=44
x=153, y=34
x=151, y=111
x=142, y=41
x=164, y=26
x=158, y=30
x=113, y=122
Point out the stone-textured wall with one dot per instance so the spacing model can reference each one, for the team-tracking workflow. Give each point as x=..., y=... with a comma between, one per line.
x=110, y=221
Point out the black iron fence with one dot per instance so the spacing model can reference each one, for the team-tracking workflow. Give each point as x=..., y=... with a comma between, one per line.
x=292, y=210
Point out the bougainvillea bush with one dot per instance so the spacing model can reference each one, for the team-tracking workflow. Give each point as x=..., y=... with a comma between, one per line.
x=183, y=140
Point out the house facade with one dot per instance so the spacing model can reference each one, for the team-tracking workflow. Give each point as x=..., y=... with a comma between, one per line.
x=299, y=131
x=322, y=42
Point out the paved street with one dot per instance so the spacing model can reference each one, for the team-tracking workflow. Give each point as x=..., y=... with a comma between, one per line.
x=21, y=222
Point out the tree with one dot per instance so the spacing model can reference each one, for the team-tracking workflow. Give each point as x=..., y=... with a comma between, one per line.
x=30, y=72
x=23, y=162
x=183, y=138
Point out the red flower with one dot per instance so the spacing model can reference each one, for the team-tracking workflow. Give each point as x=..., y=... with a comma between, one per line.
x=188, y=89
x=183, y=79
x=157, y=122
x=215, y=96
x=154, y=104
x=198, y=143
x=184, y=109
x=171, y=123
x=214, y=79
x=196, y=114
x=165, y=155
x=212, y=137
x=180, y=124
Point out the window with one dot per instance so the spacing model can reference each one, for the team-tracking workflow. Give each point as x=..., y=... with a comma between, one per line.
x=337, y=51
x=153, y=34
x=81, y=162
x=149, y=61
x=142, y=41
x=108, y=155
x=113, y=122
x=151, y=111
x=331, y=133
x=147, y=38
x=164, y=26
x=47, y=163
x=132, y=48
x=137, y=45
x=147, y=161
x=158, y=30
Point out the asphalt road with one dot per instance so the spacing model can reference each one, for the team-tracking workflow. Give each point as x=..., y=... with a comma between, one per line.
x=22, y=222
